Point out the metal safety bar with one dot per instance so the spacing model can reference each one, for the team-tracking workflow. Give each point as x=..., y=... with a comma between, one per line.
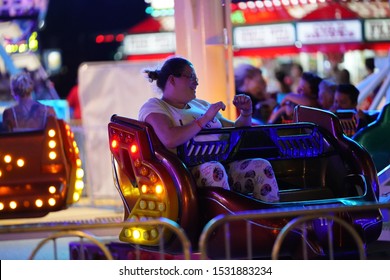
x=302, y=221
x=384, y=176
x=302, y=216
x=70, y=233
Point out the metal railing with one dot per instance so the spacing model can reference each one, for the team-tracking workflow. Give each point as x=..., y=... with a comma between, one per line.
x=299, y=220
x=77, y=230
x=301, y=216
x=68, y=233
x=384, y=180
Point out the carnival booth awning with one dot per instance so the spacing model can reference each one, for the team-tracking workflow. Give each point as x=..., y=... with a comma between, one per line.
x=153, y=38
x=336, y=27
x=311, y=26
x=330, y=28
x=271, y=28
x=147, y=26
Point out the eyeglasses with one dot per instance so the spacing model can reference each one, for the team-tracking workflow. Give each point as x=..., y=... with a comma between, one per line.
x=192, y=77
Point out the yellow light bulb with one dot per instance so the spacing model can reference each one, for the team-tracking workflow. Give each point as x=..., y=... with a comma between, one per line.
x=76, y=197
x=52, y=189
x=20, y=162
x=52, y=144
x=136, y=234
x=158, y=189
x=7, y=158
x=133, y=148
x=52, y=201
x=79, y=173
x=52, y=155
x=13, y=205
x=114, y=144
x=79, y=185
x=38, y=203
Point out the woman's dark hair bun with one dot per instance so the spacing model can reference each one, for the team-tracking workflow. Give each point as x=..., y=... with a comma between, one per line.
x=152, y=75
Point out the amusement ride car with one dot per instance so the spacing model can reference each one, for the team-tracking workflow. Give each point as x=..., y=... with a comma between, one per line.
x=314, y=162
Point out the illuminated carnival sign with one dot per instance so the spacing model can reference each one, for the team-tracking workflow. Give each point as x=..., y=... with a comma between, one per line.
x=258, y=36
x=149, y=43
x=329, y=31
x=377, y=29
x=160, y=8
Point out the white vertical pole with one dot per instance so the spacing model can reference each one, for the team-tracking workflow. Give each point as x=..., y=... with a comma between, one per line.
x=203, y=35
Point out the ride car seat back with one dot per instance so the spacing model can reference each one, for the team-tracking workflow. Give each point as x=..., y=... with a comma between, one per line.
x=356, y=158
x=374, y=138
x=348, y=121
x=151, y=181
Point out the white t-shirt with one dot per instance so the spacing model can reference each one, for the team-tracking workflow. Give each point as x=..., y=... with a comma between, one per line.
x=195, y=109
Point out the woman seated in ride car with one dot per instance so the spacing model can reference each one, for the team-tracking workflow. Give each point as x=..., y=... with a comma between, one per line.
x=307, y=95
x=179, y=116
x=28, y=114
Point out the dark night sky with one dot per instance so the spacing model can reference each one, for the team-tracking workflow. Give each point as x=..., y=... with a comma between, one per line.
x=72, y=25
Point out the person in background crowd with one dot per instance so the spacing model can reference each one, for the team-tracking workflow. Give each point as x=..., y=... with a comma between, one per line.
x=369, y=63
x=343, y=77
x=5, y=94
x=296, y=72
x=346, y=98
x=284, y=84
x=326, y=91
x=43, y=87
x=74, y=103
x=250, y=81
x=307, y=95
x=179, y=116
x=28, y=114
